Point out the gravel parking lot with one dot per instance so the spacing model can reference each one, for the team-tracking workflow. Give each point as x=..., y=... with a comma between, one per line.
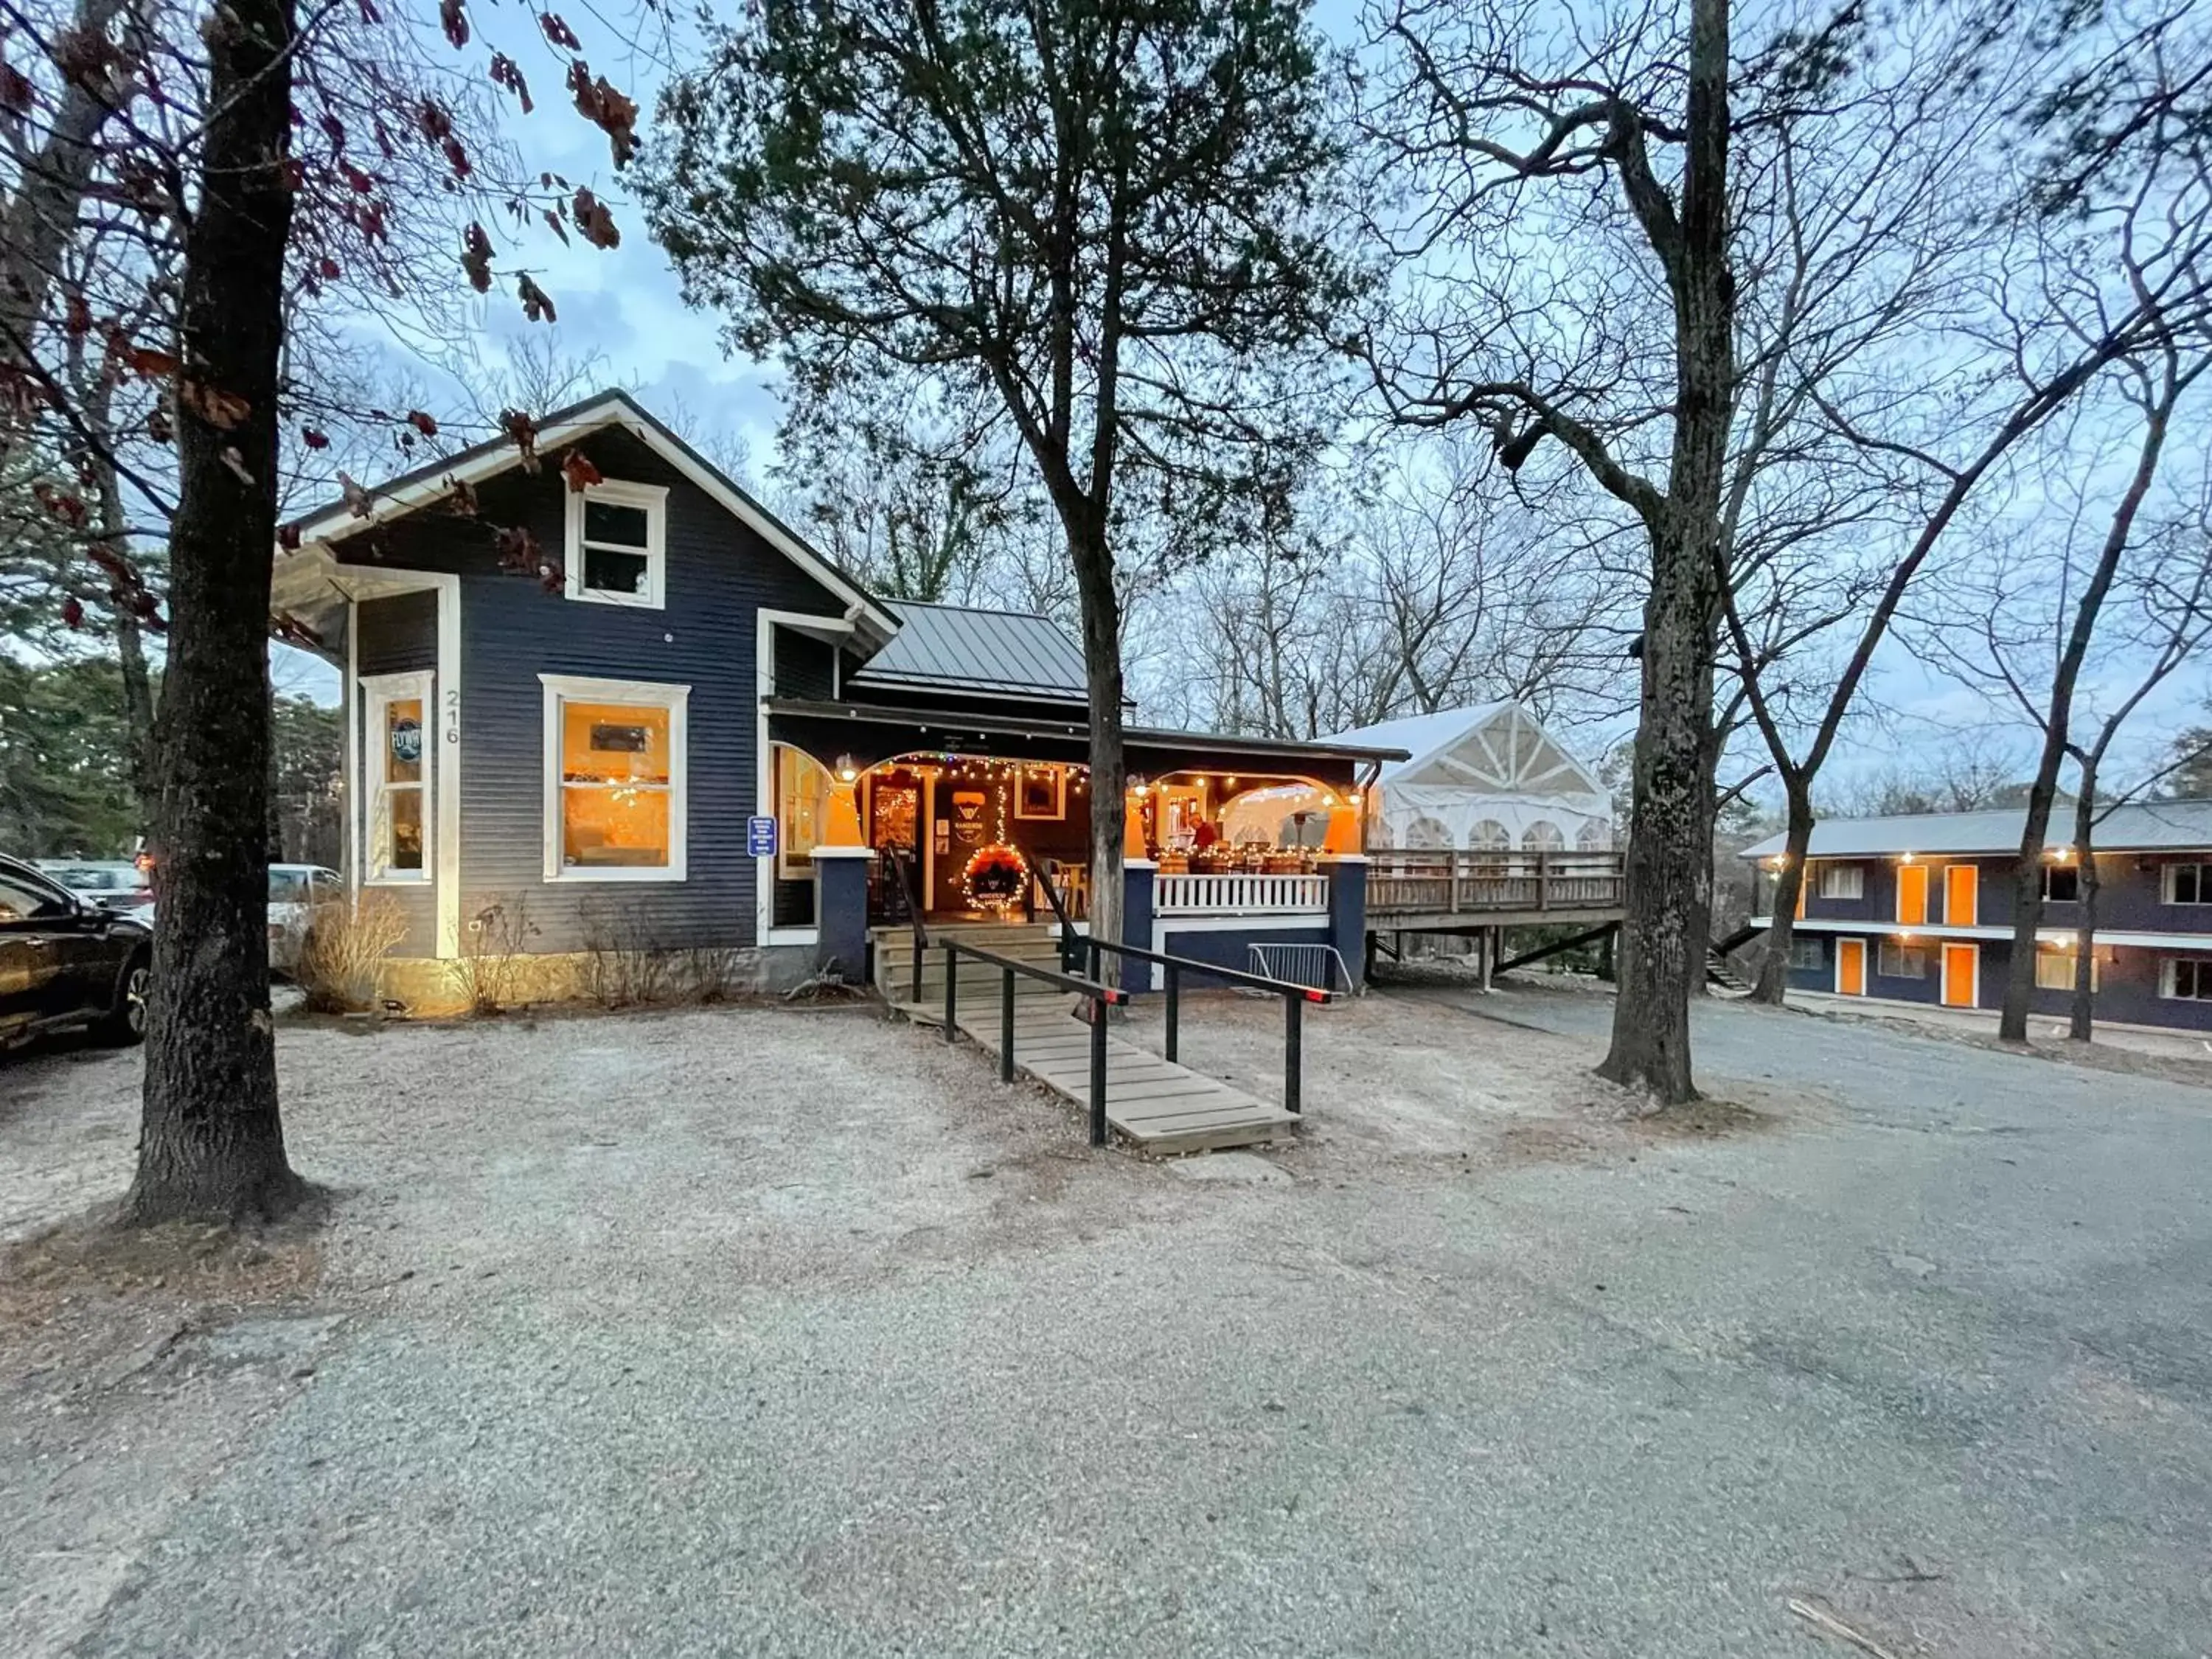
x=764, y=1331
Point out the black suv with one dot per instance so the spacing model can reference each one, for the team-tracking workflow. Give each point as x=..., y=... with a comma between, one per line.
x=65, y=963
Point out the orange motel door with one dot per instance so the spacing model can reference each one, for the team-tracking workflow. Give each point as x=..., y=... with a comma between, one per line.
x=1962, y=969
x=1850, y=967
x=1911, y=893
x=1962, y=886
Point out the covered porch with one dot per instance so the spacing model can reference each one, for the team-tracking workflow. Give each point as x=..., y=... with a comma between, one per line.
x=952, y=812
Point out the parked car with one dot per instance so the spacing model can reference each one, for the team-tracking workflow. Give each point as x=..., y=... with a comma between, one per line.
x=65, y=963
x=112, y=883
x=295, y=890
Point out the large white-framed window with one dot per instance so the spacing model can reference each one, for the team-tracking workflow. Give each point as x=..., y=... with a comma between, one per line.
x=2188, y=979
x=617, y=544
x=2186, y=884
x=617, y=778
x=1842, y=881
x=802, y=810
x=399, y=763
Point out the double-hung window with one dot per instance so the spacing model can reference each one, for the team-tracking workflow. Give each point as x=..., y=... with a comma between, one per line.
x=400, y=762
x=2188, y=978
x=618, y=544
x=616, y=778
x=2187, y=884
x=1842, y=881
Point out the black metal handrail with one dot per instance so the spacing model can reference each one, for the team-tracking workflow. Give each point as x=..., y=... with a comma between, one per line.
x=895, y=857
x=1100, y=998
x=1067, y=935
x=1294, y=998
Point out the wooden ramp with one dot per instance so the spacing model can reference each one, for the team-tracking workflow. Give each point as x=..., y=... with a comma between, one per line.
x=1159, y=1106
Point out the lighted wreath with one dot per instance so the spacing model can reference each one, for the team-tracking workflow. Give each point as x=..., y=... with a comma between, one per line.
x=994, y=878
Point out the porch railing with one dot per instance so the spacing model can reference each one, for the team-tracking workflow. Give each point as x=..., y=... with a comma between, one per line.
x=1232, y=894
x=1449, y=882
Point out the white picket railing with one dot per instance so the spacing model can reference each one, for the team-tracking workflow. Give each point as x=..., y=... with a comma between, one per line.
x=1238, y=894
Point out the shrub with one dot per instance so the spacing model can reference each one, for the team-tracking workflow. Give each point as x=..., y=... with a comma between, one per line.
x=345, y=944
x=492, y=944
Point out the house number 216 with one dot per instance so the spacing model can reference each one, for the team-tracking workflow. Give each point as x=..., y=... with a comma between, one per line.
x=453, y=716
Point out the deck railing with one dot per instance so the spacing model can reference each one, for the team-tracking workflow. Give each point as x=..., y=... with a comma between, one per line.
x=1449, y=883
x=1234, y=894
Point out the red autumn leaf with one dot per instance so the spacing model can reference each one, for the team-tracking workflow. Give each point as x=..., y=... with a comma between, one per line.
x=606, y=108
x=78, y=320
x=328, y=267
x=70, y=509
x=558, y=31
x=461, y=500
x=421, y=423
x=370, y=13
x=593, y=219
x=312, y=438
x=295, y=173
x=506, y=72
x=476, y=258
x=362, y=183
x=537, y=303
x=334, y=130
x=287, y=537
x=431, y=121
x=219, y=409
x=355, y=497
x=455, y=22
x=15, y=93
x=553, y=219
x=523, y=430
x=457, y=158
x=576, y=467
x=157, y=425
x=370, y=218
x=72, y=612
x=148, y=364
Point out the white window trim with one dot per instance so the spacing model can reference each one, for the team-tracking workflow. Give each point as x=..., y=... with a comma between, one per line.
x=2168, y=989
x=378, y=692
x=2165, y=884
x=617, y=492
x=650, y=693
x=1835, y=873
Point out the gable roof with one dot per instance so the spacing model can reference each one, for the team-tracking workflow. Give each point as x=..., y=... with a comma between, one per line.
x=955, y=647
x=2144, y=826
x=1462, y=742
x=429, y=482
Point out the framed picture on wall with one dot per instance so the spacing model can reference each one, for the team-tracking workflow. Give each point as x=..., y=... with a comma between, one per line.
x=1041, y=792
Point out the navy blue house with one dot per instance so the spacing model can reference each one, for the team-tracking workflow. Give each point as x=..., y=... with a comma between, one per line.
x=678, y=727
x=1919, y=909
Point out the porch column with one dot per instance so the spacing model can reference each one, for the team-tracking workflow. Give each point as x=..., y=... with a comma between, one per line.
x=841, y=911
x=1347, y=914
x=1343, y=836
x=1137, y=875
x=841, y=825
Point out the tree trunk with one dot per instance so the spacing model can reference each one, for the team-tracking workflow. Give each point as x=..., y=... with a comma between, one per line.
x=1773, y=984
x=1669, y=882
x=210, y=1141
x=2027, y=880
x=2085, y=966
x=1102, y=656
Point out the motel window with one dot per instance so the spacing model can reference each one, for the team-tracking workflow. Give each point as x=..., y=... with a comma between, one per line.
x=1842, y=881
x=802, y=810
x=2054, y=970
x=618, y=544
x=2187, y=978
x=2061, y=883
x=2188, y=883
x=1807, y=953
x=398, y=760
x=1895, y=961
x=616, y=780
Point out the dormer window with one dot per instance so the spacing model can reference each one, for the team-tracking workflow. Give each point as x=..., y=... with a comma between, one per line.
x=617, y=549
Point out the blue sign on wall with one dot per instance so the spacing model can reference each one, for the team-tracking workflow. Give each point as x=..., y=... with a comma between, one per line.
x=760, y=837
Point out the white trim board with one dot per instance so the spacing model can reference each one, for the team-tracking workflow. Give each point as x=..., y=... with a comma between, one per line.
x=612, y=409
x=832, y=631
x=377, y=693
x=648, y=694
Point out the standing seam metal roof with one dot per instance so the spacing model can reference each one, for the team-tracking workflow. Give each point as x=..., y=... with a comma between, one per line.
x=2143, y=826
x=948, y=645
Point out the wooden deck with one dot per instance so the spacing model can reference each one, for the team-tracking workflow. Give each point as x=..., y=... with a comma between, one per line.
x=1439, y=892
x=1159, y=1107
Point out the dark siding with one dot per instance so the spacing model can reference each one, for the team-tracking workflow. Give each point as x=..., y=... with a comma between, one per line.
x=720, y=576
x=804, y=667
x=1232, y=948
x=396, y=635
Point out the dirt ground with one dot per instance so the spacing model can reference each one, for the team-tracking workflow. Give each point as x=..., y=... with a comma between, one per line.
x=465, y=1412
